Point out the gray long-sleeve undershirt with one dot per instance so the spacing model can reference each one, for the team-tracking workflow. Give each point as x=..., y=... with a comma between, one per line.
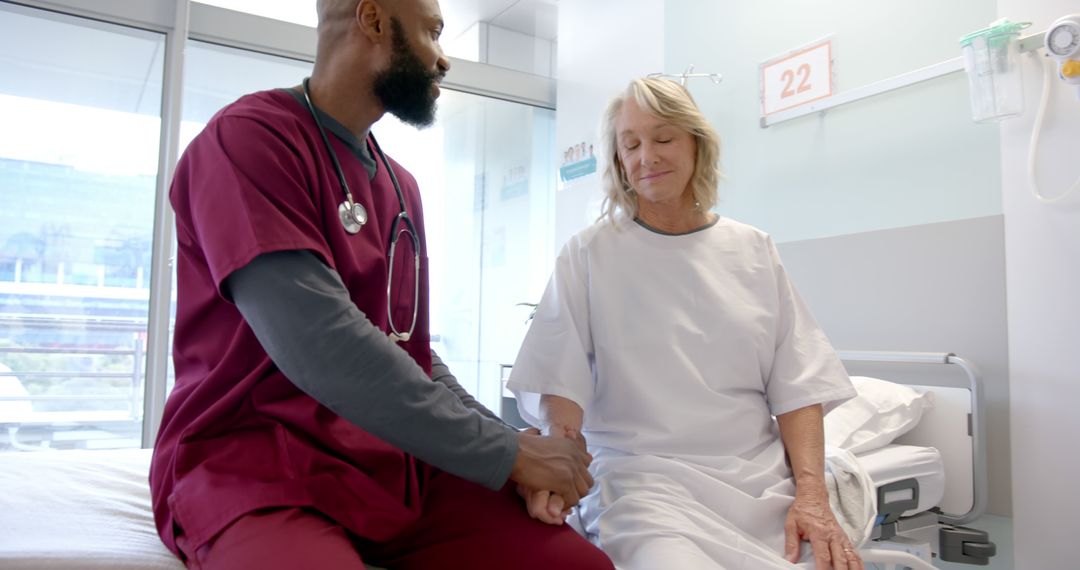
x=440, y=372
x=301, y=313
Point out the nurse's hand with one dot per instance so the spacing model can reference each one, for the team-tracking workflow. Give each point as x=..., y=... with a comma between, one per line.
x=811, y=519
x=556, y=464
x=543, y=505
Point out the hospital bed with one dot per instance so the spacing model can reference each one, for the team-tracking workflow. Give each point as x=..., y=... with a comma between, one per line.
x=90, y=510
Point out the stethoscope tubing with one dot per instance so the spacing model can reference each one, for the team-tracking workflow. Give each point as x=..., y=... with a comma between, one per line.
x=395, y=233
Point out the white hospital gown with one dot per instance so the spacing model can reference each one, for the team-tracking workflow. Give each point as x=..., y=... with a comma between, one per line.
x=680, y=349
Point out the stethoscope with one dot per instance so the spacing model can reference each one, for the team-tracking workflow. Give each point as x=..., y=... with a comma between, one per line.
x=353, y=216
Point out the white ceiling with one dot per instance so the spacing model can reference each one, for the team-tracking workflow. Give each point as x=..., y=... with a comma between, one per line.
x=533, y=17
x=537, y=18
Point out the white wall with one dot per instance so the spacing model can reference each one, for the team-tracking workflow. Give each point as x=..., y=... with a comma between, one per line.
x=602, y=45
x=1042, y=252
x=508, y=48
x=909, y=157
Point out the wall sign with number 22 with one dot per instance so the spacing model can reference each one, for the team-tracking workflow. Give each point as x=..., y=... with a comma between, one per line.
x=797, y=78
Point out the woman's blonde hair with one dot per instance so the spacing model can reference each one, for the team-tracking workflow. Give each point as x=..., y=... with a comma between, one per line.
x=672, y=103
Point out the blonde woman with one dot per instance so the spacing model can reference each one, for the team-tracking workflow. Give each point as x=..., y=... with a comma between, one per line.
x=668, y=338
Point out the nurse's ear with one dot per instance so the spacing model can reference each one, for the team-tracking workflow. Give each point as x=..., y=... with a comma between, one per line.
x=372, y=18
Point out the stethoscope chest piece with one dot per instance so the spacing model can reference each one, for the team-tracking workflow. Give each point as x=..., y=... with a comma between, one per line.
x=353, y=216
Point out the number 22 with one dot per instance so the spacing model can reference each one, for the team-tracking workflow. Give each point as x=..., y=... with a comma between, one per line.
x=789, y=77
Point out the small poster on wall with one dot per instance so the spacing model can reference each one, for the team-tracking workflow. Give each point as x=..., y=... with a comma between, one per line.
x=578, y=160
x=515, y=183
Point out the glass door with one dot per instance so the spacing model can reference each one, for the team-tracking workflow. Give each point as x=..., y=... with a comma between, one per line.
x=485, y=171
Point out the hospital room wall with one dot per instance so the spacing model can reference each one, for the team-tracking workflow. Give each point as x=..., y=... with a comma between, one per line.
x=865, y=199
x=602, y=44
x=904, y=158
x=1042, y=247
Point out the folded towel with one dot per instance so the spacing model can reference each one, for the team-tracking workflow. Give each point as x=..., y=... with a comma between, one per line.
x=851, y=494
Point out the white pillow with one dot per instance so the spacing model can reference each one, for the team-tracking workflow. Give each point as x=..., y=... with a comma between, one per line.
x=881, y=412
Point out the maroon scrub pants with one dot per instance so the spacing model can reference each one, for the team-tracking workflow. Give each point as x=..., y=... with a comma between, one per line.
x=463, y=525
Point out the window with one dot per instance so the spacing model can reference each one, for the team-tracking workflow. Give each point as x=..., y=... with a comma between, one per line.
x=78, y=167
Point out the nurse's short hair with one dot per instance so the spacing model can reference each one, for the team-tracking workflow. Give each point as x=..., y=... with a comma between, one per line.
x=671, y=103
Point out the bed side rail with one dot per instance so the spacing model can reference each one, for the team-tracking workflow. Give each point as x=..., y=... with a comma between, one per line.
x=976, y=424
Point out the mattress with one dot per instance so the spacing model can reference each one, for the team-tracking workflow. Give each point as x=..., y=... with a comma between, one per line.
x=897, y=462
x=78, y=509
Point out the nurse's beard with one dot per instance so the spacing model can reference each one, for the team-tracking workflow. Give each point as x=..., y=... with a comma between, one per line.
x=405, y=88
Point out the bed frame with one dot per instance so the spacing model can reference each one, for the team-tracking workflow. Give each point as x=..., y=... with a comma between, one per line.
x=956, y=426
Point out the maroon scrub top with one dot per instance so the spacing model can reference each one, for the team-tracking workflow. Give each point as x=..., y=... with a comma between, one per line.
x=237, y=435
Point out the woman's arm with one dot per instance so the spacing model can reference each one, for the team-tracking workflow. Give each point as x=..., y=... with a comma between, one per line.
x=803, y=433
x=561, y=416
x=810, y=517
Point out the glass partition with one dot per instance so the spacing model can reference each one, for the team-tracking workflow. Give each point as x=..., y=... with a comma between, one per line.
x=485, y=173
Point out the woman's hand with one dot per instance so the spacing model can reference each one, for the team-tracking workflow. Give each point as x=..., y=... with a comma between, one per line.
x=811, y=519
x=544, y=506
x=572, y=433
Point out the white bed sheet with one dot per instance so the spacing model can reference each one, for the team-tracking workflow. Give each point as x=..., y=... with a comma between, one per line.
x=62, y=510
x=895, y=462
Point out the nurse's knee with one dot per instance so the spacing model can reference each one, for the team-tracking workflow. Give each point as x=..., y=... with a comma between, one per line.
x=576, y=554
x=279, y=539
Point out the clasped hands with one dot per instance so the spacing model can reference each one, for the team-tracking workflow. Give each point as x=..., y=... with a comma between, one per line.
x=550, y=496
